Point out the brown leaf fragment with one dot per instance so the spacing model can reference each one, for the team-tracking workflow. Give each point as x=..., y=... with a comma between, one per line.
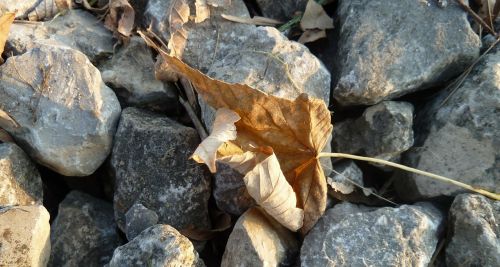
x=256, y=20
x=202, y=11
x=6, y=121
x=5, y=22
x=179, y=15
x=219, y=3
x=5, y=137
x=311, y=35
x=120, y=18
x=315, y=17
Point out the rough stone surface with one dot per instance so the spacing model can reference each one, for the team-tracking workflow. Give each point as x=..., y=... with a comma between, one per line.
x=474, y=232
x=84, y=232
x=230, y=192
x=383, y=131
x=131, y=73
x=137, y=219
x=159, y=245
x=347, y=174
x=281, y=10
x=381, y=57
x=25, y=236
x=359, y=236
x=459, y=139
x=77, y=29
x=258, y=240
x=20, y=182
x=64, y=121
x=151, y=163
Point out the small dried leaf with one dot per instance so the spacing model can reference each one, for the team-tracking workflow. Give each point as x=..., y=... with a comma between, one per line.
x=120, y=18
x=5, y=136
x=256, y=20
x=311, y=36
x=315, y=17
x=219, y=3
x=179, y=15
x=202, y=11
x=5, y=22
x=6, y=121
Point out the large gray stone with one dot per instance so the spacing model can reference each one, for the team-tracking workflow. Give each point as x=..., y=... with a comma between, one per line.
x=258, y=240
x=20, y=182
x=474, y=232
x=64, y=121
x=84, y=232
x=391, y=48
x=159, y=245
x=151, y=163
x=137, y=219
x=24, y=236
x=459, y=139
x=352, y=235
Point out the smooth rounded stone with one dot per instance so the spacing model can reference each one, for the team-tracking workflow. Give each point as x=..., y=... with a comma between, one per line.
x=384, y=131
x=259, y=240
x=391, y=48
x=474, y=232
x=20, y=182
x=62, y=120
x=459, y=139
x=131, y=73
x=346, y=177
x=25, y=236
x=84, y=232
x=354, y=235
x=77, y=29
x=159, y=245
x=151, y=163
x=281, y=10
x=137, y=219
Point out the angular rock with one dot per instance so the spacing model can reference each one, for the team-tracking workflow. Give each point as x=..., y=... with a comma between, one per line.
x=383, y=131
x=62, y=120
x=258, y=240
x=159, y=245
x=151, y=163
x=77, y=29
x=20, y=182
x=131, y=73
x=281, y=10
x=137, y=219
x=474, y=232
x=25, y=236
x=389, y=49
x=358, y=236
x=84, y=232
x=459, y=139
x=347, y=174
x=230, y=192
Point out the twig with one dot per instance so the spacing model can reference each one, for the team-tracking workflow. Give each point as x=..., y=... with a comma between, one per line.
x=197, y=123
x=476, y=17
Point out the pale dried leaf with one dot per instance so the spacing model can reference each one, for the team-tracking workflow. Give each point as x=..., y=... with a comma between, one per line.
x=219, y=3
x=5, y=22
x=202, y=11
x=311, y=36
x=120, y=18
x=6, y=121
x=178, y=16
x=256, y=20
x=315, y=17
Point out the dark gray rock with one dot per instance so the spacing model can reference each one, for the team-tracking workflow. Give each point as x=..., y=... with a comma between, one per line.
x=84, y=232
x=137, y=219
x=281, y=10
x=230, y=192
x=474, y=232
x=20, y=182
x=388, y=49
x=159, y=245
x=362, y=236
x=62, y=120
x=151, y=162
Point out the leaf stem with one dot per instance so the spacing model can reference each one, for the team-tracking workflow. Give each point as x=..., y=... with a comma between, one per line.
x=491, y=195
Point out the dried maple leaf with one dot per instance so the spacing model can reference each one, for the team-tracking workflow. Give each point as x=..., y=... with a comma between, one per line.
x=5, y=22
x=120, y=18
x=315, y=17
x=178, y=16
x=202, y=11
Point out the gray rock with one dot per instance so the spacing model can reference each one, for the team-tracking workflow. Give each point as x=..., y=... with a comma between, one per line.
x=35, y=9
x=77, y=29
x=383, y=131
x=63, y=121
x=84, y=232
x=230, y=192
x=151, y=162
x=258, y=240
x=159, y=245
x=20, y=182
x=131, y=73
x=347, y=174
x=25, y=236
x=459, y=139
x=357, y=236
x=137, y=219
x=281, y=10
x=474, y=232
x=388, y=49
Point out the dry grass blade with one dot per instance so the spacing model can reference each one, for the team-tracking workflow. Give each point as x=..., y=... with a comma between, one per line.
x=256, y=20
x=476, y=17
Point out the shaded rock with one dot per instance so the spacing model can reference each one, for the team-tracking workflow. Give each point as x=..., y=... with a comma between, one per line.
x=159, y=245
x=383, y=131
x=20, y=182
x=77, y=29
x=84, y=232
x=230, y=192
x=62, y=120
x=281, y=10
x=131, y=73
x=459, y=139
x=474, y=232
x=379, y=57
x=25, y=233
x=358, y=236
x=151, y=162
x=137, y=219
x=347, y=174
x=258, y=240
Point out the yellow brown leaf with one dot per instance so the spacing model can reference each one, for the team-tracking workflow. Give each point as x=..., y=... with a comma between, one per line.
x=5, y=22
